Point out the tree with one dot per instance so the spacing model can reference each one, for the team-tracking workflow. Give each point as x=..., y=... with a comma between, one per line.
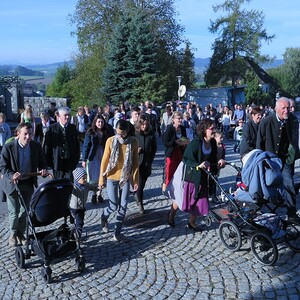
x=241, y=34
x=187, y=67
x=95, y=21
x=60, y=85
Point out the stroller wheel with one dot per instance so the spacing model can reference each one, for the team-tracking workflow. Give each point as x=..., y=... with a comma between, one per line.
x=80, y=262
x=264, y=249
x=230, y=235
x=20, y=257
x=46, y=274
x=292, y=237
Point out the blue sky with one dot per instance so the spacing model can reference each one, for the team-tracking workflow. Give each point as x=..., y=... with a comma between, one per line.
x=37, y=31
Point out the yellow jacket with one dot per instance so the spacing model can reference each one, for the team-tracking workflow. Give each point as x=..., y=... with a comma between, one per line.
x=116, y=172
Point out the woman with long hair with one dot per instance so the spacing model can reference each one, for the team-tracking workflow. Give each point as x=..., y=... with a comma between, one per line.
x=119, y=170
x=93, y=148
x=27, y=116
x=147, y=149
x=200, y=154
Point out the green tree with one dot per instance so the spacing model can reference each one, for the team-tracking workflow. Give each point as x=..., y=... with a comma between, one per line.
x=95, y=21
x=241, y=34
x=60, y=85
x=188, y=67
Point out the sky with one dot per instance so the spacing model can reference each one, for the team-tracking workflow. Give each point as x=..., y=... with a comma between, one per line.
x=39, y=31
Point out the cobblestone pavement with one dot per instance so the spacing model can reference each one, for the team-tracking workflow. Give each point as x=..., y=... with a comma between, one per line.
x=159, y=262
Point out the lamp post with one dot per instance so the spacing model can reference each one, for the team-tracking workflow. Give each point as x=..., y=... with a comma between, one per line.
x=179, y=77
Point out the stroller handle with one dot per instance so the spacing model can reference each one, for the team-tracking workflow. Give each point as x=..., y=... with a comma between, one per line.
x=37, y=174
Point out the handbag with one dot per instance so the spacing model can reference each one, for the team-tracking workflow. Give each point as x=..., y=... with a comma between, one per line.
x=187, y=173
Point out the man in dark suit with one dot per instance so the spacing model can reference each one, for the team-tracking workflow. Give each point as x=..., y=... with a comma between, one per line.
x=20, y=157
x=61, y=146
x=42, y=127
x=278, y=133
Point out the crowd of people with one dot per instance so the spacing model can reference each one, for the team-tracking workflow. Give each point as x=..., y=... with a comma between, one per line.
x=114, y=148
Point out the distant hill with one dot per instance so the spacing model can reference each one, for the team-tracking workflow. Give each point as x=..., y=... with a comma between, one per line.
x=18, y=71
x=50, y=69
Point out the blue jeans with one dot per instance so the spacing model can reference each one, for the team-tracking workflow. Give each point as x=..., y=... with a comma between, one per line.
x=117, y=201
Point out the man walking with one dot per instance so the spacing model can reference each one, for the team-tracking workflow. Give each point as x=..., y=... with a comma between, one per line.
x=277, y=134
x=61, y=146
x=18, y=158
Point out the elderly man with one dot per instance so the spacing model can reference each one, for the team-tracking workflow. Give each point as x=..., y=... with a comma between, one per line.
x=18, y=158
x=61, y=146
x=278, y=133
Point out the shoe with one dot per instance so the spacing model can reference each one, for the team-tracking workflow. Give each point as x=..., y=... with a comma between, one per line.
x=121, y=238
x=21, y=239
x=104, y=224
x=12, y=241
x=94, y=199
x=171, y=223
x=100, y=199
x=194, y=227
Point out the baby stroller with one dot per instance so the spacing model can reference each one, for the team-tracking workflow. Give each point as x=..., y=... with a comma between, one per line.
x=49, y=203
x=241, y=219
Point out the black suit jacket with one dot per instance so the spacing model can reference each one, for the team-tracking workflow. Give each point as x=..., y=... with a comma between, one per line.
x=53, y=147
x=248, y=142
x=270, y=131
x=9, y=163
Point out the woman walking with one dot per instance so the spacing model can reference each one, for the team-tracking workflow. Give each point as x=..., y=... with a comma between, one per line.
x=119, y=169
x=200, y=154
x=147, y=149
x=93, y=148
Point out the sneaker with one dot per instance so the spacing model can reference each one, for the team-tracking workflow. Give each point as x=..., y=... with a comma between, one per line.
x=121, y=238
x=21, y=239
x=12, y=241
x=104, y=224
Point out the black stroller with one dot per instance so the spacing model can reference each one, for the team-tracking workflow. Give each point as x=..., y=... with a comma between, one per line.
x=239, y=220
x=49, y=203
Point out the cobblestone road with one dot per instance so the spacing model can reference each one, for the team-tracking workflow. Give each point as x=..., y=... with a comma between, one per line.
x=159, y=263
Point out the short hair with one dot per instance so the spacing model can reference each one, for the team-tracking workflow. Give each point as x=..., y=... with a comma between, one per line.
x=256, y=110
x=64, y=109
x=53, y=103
x=44, y=114
x=135, y=108
x=23, y=125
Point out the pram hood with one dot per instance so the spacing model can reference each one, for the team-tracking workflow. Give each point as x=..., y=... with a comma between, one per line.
x=50, y=202
x=262, y=176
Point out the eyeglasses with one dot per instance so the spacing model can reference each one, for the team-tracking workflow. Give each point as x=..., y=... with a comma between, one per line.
x=211, y=128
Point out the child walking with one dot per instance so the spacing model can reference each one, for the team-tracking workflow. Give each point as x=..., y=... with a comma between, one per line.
x=79, y=197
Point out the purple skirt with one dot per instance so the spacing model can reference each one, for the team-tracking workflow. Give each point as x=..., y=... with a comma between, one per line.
x=195, y=207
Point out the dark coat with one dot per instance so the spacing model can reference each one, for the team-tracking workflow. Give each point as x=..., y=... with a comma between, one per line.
x=9, y=163
x=147, y=143
x=91, y=143
x=248, y=142
x=53, y=147
x=192, y=157
x=38, y=134
x=270, y=132
x=169, y=138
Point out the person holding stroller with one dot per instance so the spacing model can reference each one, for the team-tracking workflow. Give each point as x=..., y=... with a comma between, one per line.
x=201, y=153
x=18, y=158
x=279, y=133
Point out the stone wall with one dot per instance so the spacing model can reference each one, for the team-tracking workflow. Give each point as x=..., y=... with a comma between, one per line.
x=41, y=104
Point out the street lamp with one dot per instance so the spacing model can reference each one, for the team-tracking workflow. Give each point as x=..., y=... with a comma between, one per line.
x=179, y=77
